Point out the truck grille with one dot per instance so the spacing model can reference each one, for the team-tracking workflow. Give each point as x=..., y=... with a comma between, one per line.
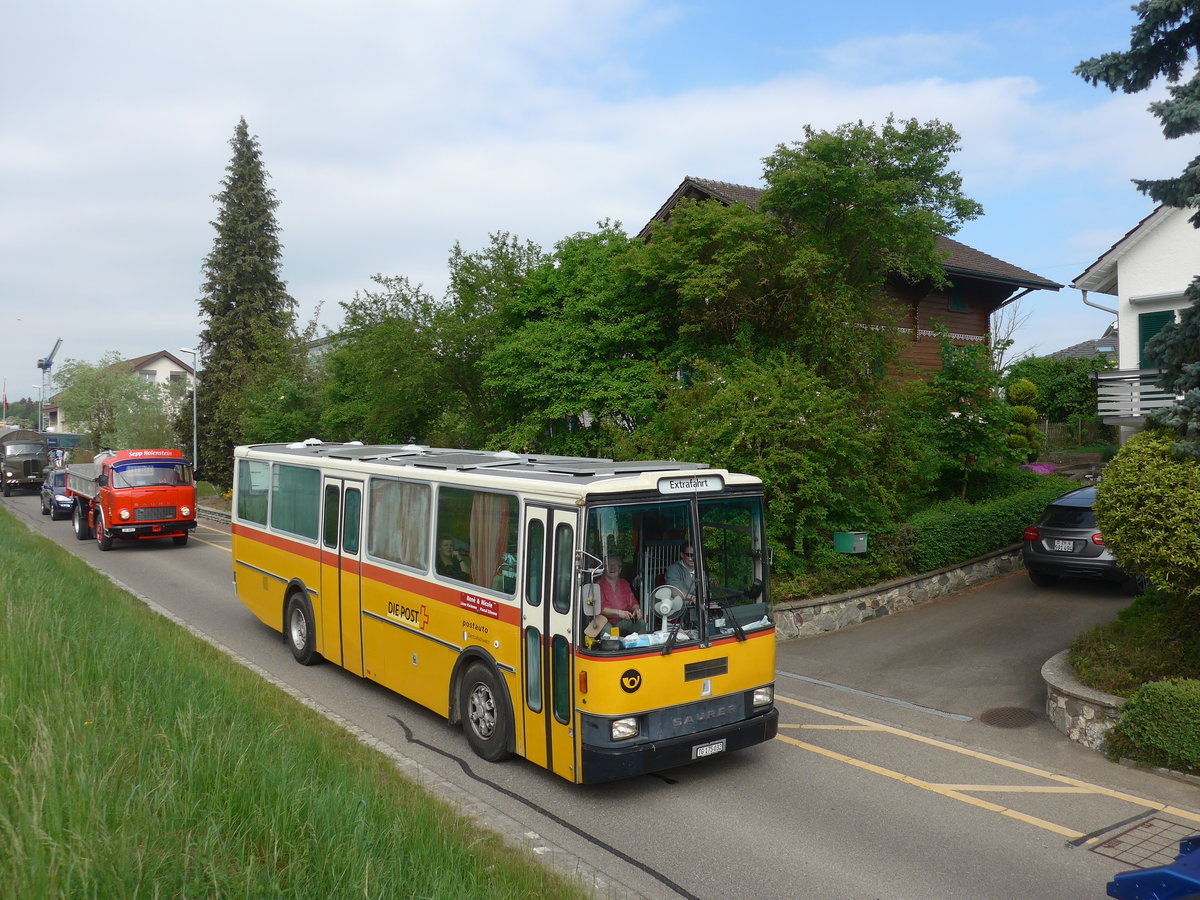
x=153, y=513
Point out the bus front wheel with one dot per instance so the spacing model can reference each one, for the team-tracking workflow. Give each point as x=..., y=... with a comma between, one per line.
x=300, y=629
x=484, y=711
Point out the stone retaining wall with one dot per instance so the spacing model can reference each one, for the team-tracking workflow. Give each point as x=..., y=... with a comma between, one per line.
x=1084, y=715
x=815, y=615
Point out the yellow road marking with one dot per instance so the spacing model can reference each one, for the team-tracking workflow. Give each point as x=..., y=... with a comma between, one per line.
x=1064, y=785
x=833, y=727
x=944, y=790
x=210, y=543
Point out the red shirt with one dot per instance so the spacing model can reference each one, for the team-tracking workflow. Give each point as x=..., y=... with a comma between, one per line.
x=617, y=596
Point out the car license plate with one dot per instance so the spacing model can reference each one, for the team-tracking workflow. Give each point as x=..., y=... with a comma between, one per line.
x=710, y=749
x=1064, y=546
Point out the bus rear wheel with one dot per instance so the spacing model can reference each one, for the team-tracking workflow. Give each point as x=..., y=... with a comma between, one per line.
x=484, y=710
x=299, y=628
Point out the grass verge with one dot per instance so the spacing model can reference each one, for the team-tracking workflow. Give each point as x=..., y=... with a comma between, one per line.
x=137, y=761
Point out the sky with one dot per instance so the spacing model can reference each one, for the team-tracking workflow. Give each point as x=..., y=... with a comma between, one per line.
x=394, y=129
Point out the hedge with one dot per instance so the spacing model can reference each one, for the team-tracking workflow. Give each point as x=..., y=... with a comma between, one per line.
x=1160, y=725
x=953, y=531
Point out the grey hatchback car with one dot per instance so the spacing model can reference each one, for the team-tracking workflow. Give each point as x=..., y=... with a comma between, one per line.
x=1066, y=541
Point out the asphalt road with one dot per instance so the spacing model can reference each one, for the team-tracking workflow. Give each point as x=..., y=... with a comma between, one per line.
x=885, y=780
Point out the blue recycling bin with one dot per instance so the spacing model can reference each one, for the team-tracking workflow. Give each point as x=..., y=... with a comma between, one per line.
x=1178, y=881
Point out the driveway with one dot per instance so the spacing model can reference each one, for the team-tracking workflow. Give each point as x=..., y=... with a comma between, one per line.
x=966, y=667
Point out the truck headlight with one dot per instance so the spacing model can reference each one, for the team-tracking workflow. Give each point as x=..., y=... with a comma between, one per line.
x=124, y=514
x=623, y=729
x=764, y=696
x=185, y=511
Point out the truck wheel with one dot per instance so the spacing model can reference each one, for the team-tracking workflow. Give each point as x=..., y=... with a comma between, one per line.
x=7, y=489
x=179, y=540
x=79, y=522
x=484, y=712
x=299, y=629
x=103, y=538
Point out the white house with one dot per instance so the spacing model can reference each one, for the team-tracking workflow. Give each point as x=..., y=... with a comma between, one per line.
x=1147, y=271
x=162, y=368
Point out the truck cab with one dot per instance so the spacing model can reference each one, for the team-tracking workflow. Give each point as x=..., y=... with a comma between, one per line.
x=24, y=458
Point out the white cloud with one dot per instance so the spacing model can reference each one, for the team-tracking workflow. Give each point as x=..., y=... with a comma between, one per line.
x=394, y=129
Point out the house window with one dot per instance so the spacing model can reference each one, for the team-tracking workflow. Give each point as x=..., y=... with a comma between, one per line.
x=1150, y=324
x=176, y=377
x=958, y=299
x=148, y=374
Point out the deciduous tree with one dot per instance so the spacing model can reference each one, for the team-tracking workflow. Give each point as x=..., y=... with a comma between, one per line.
x=113, y=406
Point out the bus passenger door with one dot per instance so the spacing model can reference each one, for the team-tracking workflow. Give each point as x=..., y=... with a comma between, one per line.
x=341, y=573
x=548, y=690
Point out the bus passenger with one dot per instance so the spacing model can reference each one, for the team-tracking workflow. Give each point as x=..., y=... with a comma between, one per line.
x=450, y=562
x=616, y=597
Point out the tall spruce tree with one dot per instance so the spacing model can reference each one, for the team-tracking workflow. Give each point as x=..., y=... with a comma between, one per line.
x=1164, y=44
x=249, y=330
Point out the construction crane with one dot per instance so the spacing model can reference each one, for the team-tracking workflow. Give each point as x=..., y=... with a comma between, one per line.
x=44, y=365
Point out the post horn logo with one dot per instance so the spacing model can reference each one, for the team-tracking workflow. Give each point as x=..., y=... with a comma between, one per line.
x=631, y=681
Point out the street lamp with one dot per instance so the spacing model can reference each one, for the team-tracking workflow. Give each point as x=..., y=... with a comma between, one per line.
x=195, y=390
x=41, y=406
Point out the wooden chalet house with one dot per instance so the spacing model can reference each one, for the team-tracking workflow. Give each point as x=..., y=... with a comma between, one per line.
x=979, y=284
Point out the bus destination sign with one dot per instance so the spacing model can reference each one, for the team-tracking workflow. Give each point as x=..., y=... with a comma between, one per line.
x=690, y=484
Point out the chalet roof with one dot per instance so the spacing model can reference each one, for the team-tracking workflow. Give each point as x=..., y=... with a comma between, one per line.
x=960, y=259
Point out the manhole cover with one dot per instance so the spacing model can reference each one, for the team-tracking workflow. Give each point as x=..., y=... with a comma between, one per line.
x=1009, y=717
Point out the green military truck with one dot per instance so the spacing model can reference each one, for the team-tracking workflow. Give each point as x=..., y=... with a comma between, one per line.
x=24, y=458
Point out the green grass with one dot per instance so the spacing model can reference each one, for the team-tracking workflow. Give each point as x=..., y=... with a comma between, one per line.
x=137, y=761
x=1154, y=638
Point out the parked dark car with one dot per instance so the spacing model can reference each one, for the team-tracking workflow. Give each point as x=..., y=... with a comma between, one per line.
x=1066, y=541
x=55, y=502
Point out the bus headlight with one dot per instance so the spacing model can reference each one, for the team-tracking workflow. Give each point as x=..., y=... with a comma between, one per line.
x=623, y=729
x=124, y=515
x=764, y=696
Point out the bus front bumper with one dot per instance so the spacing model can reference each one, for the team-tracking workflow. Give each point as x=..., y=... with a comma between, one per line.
x=610, y=763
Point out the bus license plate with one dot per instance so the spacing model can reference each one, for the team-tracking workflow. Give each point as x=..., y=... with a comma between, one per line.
x=710, y=749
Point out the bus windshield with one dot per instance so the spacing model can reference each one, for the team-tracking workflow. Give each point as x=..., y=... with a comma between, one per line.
x=649, y=582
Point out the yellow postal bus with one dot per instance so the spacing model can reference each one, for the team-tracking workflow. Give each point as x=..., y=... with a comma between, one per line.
x=601, y=619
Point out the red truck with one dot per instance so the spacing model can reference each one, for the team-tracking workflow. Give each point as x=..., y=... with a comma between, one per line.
x=133, y=495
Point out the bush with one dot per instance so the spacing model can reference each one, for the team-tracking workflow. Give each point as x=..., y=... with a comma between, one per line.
x=1160, y=725
x=1148, y=507
x=955, y=531
x=1152, y=639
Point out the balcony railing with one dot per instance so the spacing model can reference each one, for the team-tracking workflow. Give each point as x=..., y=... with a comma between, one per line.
x=1125, y=396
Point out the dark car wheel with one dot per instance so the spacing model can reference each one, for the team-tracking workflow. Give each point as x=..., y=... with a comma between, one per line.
x=1041, y=579
x=484, y=710
x=1136, y=585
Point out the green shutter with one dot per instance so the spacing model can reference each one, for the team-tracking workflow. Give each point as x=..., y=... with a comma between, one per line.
x=1150, y=324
